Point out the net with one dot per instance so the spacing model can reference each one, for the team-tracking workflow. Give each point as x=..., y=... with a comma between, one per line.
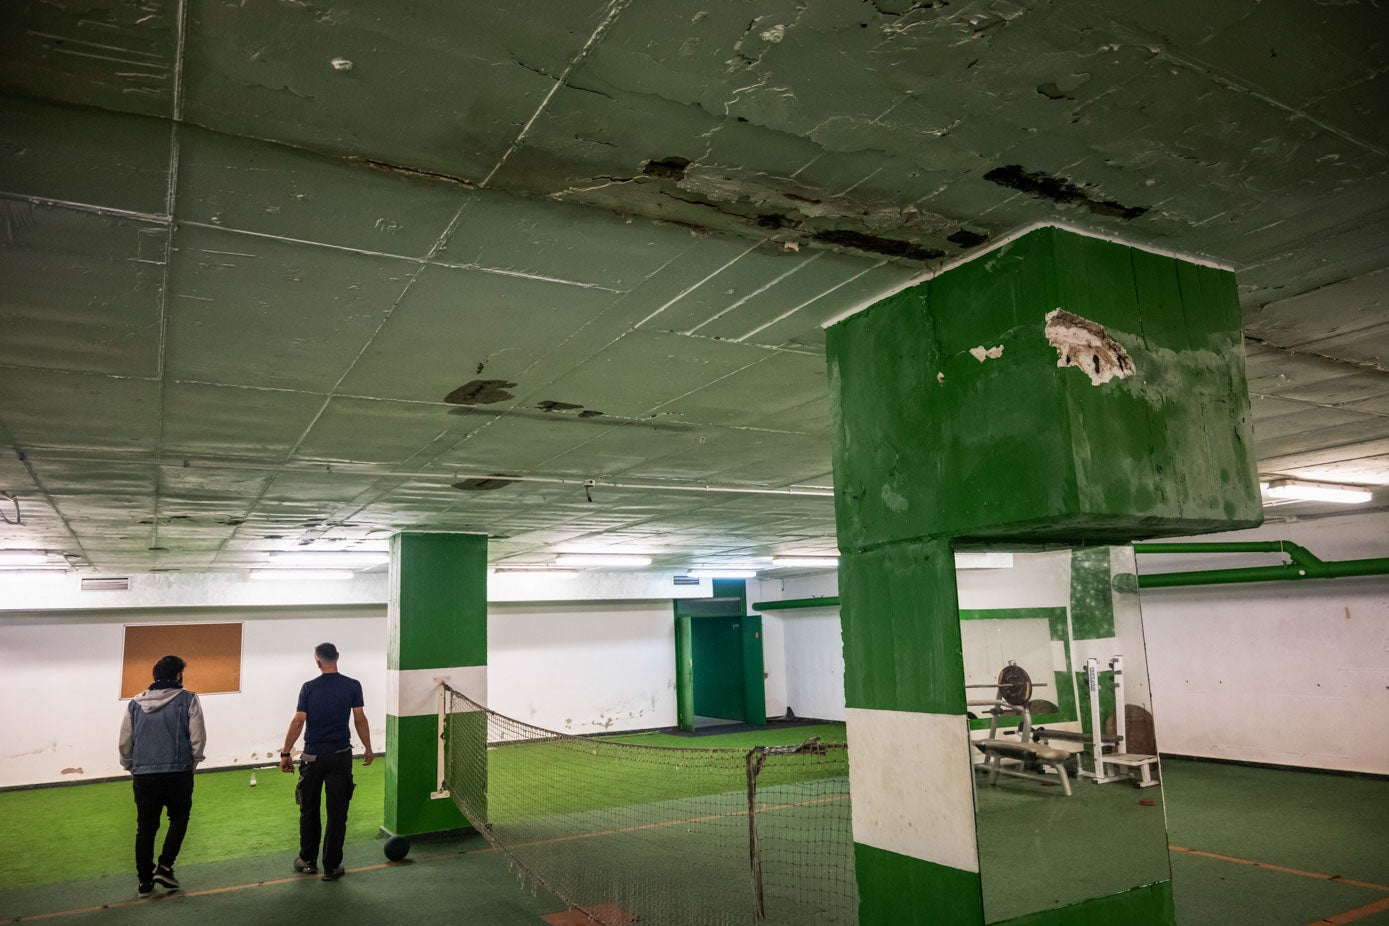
x=660, y=835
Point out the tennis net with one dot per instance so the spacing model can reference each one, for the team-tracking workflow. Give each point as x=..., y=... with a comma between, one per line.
x=631, y=833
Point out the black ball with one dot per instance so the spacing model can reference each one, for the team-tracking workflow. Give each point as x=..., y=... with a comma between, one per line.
x=396, y=848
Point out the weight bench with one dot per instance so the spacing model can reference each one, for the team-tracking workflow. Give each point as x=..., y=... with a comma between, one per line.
x=996, y=750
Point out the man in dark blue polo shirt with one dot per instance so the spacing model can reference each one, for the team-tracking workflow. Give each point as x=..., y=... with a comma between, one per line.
x=325, y=766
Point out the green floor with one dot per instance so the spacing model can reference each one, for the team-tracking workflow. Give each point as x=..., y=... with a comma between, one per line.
x=68, y=850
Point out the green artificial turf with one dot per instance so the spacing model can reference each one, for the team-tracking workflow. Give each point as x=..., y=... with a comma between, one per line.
x=82, y=831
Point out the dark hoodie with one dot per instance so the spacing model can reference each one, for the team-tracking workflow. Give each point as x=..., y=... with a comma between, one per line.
x=162, y=731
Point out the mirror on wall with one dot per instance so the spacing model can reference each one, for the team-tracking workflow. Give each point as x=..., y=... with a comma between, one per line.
x=1068, y=794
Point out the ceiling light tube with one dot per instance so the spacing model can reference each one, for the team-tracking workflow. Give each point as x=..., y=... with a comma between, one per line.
x=722, y=573
x=824, y=562
x=23, y=558
x=1316, y=492
x=301, y=575
x=601, y=559
x=328, y=559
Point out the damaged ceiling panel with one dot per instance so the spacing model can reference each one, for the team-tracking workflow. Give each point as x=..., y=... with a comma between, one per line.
x=284, y=275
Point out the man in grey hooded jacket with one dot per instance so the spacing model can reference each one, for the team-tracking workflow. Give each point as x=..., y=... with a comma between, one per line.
x=162, y=739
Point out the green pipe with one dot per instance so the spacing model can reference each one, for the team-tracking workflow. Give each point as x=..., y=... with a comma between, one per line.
x=1304, y=564
x=791, y=604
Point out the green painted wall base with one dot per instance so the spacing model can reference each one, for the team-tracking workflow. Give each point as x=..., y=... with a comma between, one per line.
x=903, y=891
x=1150, y=905
x=412, y=745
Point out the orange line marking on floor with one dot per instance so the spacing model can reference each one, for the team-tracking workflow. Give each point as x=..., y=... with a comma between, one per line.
x=1291, y=871
x=1359, y=913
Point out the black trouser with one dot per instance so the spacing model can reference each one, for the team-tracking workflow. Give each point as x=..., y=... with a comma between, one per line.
x=331, y=775
x=153, y=793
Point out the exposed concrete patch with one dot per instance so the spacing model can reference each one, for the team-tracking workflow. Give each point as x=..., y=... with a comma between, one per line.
x=1082, y=343
x=894, y=500
x=672, y=168
x=982, y=353
x=72, y=771
x=481, y=392
x=1060, y=190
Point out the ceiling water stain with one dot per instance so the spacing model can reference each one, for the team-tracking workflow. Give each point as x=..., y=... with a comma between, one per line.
x=1058, y=190
x=498, y=481
x=481, y=392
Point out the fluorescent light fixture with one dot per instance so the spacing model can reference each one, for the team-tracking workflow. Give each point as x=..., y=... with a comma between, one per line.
x=601, y=559
x=23, y=558
x=1316, y=492
x=810, y=562
x=721, y=573
x=535, y=572
x=301, y=575
x=983, y=561
x=329, y=559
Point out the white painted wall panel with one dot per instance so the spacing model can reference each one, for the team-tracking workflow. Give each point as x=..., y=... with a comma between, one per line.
x=1293, y=673
x=65, y=672
x=583, y=667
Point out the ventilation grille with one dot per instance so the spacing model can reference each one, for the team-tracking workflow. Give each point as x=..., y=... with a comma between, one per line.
x=119, y=584
x=685, y=580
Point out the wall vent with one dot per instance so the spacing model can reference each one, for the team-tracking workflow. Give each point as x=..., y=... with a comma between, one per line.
x=116, y=584
x=685, y=580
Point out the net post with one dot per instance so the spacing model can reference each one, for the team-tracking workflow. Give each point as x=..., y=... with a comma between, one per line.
x=440, y=767
x=755, y=759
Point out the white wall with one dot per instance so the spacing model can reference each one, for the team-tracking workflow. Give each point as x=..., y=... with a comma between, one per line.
x=580, y=667
x=583, y=667
x=803, y=650
x=60, y=676
x=1292, y=673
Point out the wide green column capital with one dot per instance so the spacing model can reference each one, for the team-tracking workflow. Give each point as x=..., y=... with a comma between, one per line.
x=1058, y=388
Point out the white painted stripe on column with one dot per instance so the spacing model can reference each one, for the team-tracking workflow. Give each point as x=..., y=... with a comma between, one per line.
x=910, y=778
x=1103, y=649
x=413, y=692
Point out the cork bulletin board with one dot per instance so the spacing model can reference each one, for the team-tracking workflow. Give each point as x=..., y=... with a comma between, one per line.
x=212, y=651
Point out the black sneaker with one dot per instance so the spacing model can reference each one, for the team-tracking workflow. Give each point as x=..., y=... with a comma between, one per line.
x=164, y=875
x=334, y=874
x=145, y=890
x=305, y=868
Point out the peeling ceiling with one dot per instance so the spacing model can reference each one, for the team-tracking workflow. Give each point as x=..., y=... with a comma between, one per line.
x=277, y=275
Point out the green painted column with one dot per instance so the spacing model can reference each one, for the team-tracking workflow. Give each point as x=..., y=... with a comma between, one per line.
x=437, y=620
x=1057, y=389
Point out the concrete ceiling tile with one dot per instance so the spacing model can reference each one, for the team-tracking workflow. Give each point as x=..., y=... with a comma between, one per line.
x=354, y=80
x=376, y=431
x=755, y=393
x=83, y=156
x=646, y=368
x=238, y=422
x=280, y=191
x=253, y=311
x=457, y=326
x=79, y=411
x=557, y=241
x=103, y=53
x=81, y=291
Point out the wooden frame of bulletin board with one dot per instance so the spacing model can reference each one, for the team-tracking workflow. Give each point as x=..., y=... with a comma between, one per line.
x=212, y=651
